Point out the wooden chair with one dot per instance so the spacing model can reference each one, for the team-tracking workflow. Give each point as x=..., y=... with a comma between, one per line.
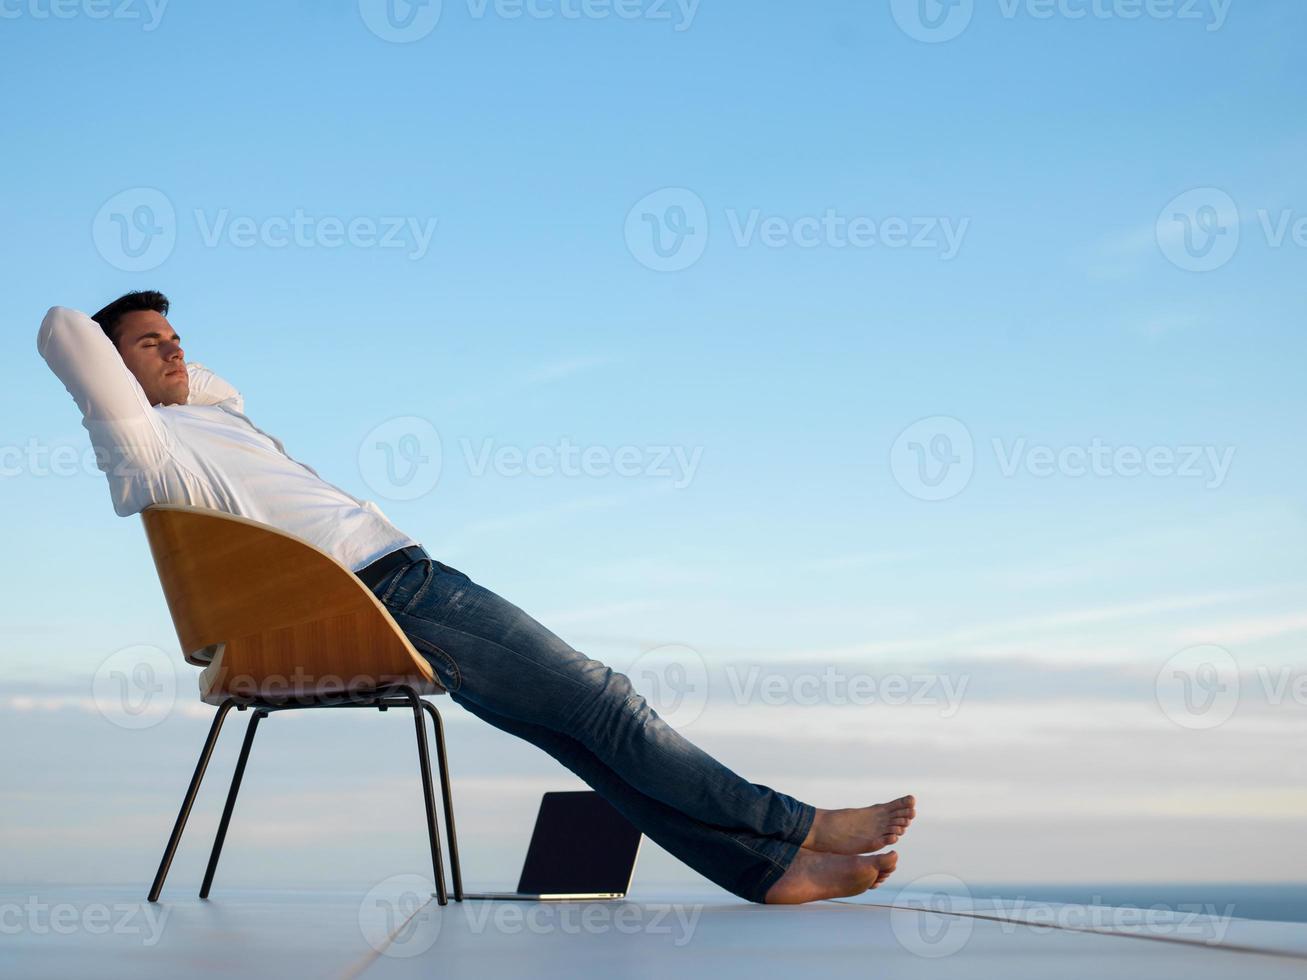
x=277, y=624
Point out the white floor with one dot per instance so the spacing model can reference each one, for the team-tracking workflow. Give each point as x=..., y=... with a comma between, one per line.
x=398, y=930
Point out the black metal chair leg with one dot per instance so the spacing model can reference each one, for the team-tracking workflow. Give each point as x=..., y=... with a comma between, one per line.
x=424, y=760
x=250, y=729
x=189, y=801
x=447, y=798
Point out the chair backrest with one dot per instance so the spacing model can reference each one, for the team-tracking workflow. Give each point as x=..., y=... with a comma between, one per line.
x=270, y=614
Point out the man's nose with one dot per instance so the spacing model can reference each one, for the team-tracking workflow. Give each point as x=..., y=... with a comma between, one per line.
x=174, y=352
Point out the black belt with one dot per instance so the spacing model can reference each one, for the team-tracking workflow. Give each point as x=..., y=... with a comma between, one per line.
x=374, y=574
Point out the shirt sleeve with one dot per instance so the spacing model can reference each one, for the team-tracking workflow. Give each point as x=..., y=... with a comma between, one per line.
x=126, y=431
x=208, y=388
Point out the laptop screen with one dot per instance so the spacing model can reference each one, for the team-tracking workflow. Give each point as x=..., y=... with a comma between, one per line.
x=580, y=846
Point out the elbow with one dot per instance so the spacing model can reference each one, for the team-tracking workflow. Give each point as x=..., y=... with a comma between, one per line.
x=56, y=320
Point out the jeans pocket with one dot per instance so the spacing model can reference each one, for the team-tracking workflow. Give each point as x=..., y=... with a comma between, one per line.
x=447, y=672
x=408, y=586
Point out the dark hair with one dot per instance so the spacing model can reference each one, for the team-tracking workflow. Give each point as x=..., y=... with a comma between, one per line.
x=143, y=299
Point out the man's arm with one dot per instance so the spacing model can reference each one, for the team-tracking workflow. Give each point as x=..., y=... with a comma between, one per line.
x=125, y=429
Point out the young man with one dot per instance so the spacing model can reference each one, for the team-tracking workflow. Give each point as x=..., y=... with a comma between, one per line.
x=166, y=431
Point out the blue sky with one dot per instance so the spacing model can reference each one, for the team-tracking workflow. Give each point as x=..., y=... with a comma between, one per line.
x=1051, y=307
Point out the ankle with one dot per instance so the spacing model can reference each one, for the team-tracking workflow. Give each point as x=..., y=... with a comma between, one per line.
x=816, y=831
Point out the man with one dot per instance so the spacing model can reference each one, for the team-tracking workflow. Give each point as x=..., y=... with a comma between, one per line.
x=166, y=431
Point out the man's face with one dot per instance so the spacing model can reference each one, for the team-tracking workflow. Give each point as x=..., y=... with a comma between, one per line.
x=153, y=352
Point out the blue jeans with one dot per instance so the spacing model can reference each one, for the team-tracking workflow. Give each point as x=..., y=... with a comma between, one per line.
x=507, y=669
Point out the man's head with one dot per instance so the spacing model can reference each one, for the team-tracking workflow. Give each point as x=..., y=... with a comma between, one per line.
x=138, y=326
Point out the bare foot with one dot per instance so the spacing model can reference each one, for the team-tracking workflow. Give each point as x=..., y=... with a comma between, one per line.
x=813, y=876
x=862, y=829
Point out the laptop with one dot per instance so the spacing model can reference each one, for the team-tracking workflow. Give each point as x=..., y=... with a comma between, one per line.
x=581, y=848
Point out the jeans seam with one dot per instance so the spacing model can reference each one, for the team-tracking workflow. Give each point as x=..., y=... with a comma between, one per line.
x=807, y=815
x=390, y=589
x=772, y=875
x=753, y=850
x=426, y=580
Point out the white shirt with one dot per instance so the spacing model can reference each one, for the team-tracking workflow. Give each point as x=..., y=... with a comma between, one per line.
x=206, y=453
